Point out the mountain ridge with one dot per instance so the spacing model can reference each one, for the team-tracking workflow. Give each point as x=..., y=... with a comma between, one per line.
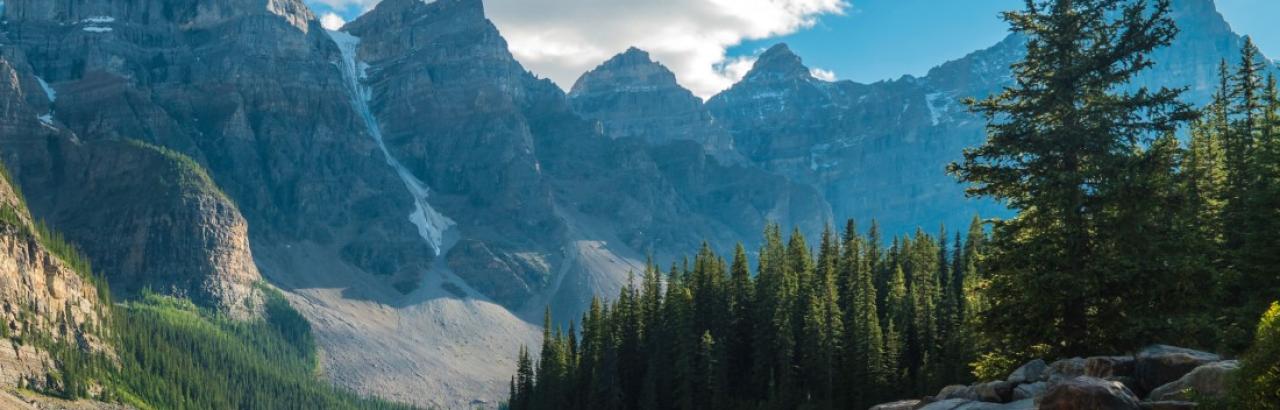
x=327, y=148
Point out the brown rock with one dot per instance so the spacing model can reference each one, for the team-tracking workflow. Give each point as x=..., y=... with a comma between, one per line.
x=999, y=391
x=1088, y=393
x=1158, y=365
x=897, y=405
x=1208, y=380
x=1105, y=367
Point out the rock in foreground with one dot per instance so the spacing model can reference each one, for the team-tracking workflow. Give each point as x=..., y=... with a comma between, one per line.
x=1176, y=376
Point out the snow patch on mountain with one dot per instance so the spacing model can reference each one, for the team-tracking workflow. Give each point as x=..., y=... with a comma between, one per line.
x=48, y=91
x=99, y=20
x=939, y=104
x=431, y=224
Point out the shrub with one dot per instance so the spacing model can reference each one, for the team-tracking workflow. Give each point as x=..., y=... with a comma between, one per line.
x=1258, y=384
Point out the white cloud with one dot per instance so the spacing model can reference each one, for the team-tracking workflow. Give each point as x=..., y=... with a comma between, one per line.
x=331, y=21
x=344, y=5
x=824, y=75
x=561, y=39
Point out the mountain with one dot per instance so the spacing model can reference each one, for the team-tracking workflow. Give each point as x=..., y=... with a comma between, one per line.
x=880, y=150
x=420, y=197
x=406, y=181
x=633, y=96
x=48, y=296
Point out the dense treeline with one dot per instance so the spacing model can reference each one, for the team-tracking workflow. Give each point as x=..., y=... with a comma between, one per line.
x=855, y=324
x=1125, y=234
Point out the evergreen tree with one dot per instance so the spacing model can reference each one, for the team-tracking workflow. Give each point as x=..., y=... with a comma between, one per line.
x=864, y=345
x=1059, y=145
x=741, y=337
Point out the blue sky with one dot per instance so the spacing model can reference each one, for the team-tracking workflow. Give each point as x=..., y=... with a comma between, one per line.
x=711, y=43
x=884, y=39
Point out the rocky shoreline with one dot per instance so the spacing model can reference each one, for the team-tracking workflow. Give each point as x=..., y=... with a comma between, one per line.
x=1158, y=377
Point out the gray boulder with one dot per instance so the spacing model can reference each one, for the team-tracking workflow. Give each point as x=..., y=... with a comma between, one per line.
x=897, y=405
x=1024, y=404
x=994, y=392
x=959, y=404
x=1029, y=390
x=1030, y=372
x=1209, y=380
x=957, y=391
x=1158, y=365
x=948, y=404
x=1065, y=369
x=1088, y=393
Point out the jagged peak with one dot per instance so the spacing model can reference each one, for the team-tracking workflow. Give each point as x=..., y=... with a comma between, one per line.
x=183, y=13
x=630, y=71
x=391, y=16
x=778, y=62
x=632, y=57
x=413, y=9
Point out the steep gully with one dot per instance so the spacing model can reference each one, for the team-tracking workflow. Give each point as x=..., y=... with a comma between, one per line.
x=431, y=224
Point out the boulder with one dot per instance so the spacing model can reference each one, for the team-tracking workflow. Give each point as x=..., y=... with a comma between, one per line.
x=1029, y=390
x=1168, y=405
x=1024, y=404
x=1030, y=372
x=897, y=405
x=1065, y=369
x=1158, y=365
x=999, y=391
x=949, y=404
x=1108, y=367
x=1088, y=393
x=1209, y=380
x=1028, y=404
x=957, y=391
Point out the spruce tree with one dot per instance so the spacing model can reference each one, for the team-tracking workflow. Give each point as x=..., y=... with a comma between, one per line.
x=1059, y=142
x=863, y=346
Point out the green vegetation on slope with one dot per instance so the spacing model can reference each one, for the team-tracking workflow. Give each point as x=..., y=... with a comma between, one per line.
x=172, y=354
x=175, y=356
x=190, y=173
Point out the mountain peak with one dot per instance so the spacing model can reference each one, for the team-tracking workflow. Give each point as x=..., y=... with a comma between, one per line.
x=632, y=57
x=406, y=12
x=631, y=71
x=778, y=62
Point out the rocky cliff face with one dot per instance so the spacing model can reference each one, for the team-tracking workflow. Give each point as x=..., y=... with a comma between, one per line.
x=43, y=295
x=266, y=118
x=147, y=216
x=186, y=239
x=631, y=96
x=511, y=159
